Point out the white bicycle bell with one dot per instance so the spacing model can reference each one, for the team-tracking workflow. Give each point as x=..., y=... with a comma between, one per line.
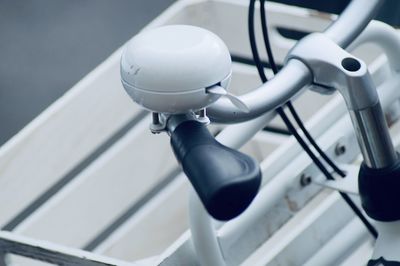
x=177, y=69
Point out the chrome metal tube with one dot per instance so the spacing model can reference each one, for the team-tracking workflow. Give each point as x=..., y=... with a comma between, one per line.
x=363, y=104
x=295, y=75
x=373, y=137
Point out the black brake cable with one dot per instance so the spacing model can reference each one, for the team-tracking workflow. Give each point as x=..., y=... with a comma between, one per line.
x=289, y=104
x=284, y=117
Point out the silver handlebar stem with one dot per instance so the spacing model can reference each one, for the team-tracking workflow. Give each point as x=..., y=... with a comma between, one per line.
x=295, y=75
x=335, y=69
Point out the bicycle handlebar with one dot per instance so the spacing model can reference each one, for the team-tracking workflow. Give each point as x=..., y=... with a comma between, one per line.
x=226, y=180
x=295, y=75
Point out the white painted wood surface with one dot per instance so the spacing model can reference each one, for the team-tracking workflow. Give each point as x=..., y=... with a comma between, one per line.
x=103, y=190
x=52, y=253
x=62, y=136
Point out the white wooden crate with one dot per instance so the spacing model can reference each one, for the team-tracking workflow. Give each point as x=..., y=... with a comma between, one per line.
x=88, y=174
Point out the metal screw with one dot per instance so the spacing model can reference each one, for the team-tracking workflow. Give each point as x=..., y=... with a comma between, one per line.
x=156, y=127
x=340, y=149
x=202, y=116
x=305, y=180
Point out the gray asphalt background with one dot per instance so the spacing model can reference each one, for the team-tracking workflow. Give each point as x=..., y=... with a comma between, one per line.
x=46, y=46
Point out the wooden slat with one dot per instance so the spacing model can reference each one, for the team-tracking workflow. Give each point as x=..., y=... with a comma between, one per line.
x=119, y=178
x=223, y=16
x=154, y=227
x=55, y=254
x=61, y=137
x=312, y=225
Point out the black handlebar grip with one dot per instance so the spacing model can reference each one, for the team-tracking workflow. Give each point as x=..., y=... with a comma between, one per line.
x=225, y=180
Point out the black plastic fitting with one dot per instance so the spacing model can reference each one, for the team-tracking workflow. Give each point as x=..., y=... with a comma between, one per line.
x=225, y=180
x=380, y=192
x=382, y=262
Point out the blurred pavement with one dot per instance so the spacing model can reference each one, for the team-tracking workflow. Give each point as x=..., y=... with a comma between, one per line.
x=46, y=46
